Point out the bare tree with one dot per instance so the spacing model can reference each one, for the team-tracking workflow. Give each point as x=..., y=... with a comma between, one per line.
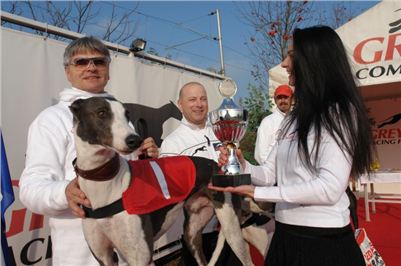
x=273, y=23
x=82, y=17
x=11, y=8
x=121, y=26
x=340, y=15
x=57, y=16
x=83, y=14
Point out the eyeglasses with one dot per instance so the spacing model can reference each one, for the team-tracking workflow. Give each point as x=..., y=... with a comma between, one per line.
x=85, y=62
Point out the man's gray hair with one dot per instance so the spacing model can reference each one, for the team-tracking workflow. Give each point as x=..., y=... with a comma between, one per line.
x=84, y=44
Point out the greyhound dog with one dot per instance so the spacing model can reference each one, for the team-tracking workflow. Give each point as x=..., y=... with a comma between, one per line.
x=151, y=119
x=102, y=132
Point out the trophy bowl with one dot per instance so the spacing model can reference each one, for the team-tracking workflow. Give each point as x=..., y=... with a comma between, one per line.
x=229, y=123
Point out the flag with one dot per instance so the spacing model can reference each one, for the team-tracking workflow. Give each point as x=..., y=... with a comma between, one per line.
x=7, y=198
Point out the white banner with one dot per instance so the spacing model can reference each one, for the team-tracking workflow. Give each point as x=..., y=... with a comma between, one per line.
x=32, y=77
x=386, y=119
x=373, y=40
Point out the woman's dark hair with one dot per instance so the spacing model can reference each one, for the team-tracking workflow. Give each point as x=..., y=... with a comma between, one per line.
x=326, y=97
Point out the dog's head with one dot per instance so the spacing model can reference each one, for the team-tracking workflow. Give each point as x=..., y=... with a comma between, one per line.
x=104, y=121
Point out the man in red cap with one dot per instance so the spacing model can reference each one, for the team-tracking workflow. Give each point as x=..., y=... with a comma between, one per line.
x=267, y=130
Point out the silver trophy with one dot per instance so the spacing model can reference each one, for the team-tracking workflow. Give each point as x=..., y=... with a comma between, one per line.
x=229, y=124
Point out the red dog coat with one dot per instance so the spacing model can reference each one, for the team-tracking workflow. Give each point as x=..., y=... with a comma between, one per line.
x=156, y=183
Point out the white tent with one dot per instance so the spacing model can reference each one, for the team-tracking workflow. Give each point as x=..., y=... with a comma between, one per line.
x=373, y=41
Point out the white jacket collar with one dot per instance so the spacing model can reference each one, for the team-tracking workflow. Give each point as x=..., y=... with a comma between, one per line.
x=72, y=94
x=279, y=112
x=192, y=126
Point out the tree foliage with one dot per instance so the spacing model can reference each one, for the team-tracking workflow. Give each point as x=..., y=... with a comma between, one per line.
x=273, y=23
x=247, y=146
x=258, y=105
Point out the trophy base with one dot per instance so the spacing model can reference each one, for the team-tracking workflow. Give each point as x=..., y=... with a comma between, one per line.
x=231, y=180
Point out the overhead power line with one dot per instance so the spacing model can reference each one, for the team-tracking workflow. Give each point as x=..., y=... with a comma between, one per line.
x=179, y=25
x=183, y=43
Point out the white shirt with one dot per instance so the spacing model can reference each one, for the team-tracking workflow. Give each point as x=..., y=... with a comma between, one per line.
x=48, y=171
x=267, y=135
x=305, y=198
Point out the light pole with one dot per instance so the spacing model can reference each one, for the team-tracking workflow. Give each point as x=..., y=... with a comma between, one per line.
x=219, y=38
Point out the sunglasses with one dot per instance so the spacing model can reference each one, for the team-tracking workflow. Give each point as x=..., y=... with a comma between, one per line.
x=85, y=62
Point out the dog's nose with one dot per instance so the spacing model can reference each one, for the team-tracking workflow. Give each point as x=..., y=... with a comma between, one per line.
x=133, y=141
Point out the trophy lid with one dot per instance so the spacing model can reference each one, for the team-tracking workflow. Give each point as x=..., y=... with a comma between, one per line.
x=228, y=110
x=227, y=88
x=229, y=121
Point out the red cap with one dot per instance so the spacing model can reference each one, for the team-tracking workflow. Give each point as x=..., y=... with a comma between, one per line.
x=283, y=90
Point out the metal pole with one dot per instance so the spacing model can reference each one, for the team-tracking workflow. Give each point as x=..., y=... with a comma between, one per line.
x=222, y=70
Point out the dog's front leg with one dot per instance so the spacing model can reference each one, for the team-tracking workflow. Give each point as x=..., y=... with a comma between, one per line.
x=217, y=251
x=198, y=212
x=231, y=228
x=132, y=236
x=99, y=244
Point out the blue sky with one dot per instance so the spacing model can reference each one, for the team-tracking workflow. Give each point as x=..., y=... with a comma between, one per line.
x=184, y=42
x=162, y=35
x=184, y=30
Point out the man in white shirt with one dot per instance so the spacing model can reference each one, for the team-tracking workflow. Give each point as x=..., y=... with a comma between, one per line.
x=48, y=184
x=194, y=137
x=268, y=129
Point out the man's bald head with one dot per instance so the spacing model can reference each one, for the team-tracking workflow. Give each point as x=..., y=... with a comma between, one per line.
x=189, y=85
x=193, y=103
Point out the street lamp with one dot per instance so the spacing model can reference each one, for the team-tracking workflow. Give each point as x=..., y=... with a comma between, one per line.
x=137, y=45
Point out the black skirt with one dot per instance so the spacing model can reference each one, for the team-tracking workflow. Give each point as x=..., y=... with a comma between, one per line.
x=311, y=246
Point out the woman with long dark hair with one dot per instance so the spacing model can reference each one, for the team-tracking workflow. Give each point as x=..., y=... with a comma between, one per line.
x=324, y=140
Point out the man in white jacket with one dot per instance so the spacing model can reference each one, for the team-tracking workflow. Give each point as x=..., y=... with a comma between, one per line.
x=48, y=184
x=194, y=137
x=268, y=129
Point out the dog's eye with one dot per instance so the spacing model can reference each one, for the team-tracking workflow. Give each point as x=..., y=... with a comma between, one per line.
x=101, y=114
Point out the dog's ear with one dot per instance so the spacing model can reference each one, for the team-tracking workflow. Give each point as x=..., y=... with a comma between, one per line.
x=75, y=107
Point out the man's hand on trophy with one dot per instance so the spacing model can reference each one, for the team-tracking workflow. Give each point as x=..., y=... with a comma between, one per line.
x=243, y=190
x=223, y=157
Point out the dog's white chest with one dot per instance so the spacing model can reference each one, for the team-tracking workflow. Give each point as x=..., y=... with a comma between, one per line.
x=102, y=193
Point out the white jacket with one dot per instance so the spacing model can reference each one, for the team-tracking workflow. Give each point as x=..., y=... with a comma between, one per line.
x=267, y=135
x=189, y=139
x=48, y=170
x=305, y=198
